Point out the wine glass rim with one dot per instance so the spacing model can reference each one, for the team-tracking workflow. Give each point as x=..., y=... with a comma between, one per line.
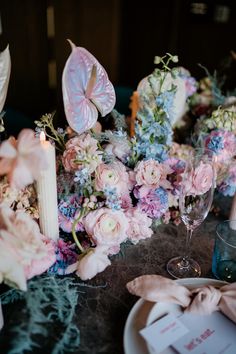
x=220, y=236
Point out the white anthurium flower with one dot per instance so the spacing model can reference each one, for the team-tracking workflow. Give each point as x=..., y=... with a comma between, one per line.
x=179, y=101
x=5, y=70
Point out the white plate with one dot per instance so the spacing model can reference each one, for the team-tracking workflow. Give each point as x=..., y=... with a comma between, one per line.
x=144, y=312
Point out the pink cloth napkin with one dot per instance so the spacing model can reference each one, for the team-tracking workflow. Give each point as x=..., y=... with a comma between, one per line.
x=203, y=301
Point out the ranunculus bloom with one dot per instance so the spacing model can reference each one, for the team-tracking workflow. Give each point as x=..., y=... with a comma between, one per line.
x=81, y=151
x=91, y=263
x=106, y=227
x=113, y=175
x=152, y=174
x=26, y=248
x=139, y=225
x=200, y=179
x=22, y=159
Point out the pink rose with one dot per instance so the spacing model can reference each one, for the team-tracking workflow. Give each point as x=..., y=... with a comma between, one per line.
x=200, y=180
x=91, y=263
x=106, y=227
x=112, y=175
x=139, y=225
x=152, y=174
x=22, y=159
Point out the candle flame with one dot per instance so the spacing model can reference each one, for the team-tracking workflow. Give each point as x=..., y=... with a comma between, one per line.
x=42, y=136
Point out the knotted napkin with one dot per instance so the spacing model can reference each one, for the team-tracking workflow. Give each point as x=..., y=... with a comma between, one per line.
x=203, y=300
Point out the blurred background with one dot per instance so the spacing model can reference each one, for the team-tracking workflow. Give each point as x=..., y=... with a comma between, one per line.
x=124, y=35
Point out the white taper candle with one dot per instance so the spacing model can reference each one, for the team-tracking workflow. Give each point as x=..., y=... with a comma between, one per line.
x=47, y=193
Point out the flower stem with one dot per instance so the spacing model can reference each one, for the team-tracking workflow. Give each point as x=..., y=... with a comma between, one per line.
x=74, y=232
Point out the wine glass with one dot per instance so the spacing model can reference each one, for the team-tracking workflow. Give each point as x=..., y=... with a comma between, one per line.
x=195, y=199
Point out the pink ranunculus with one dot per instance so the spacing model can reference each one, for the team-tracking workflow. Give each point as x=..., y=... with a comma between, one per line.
x=106, y=227
x=200, y=180
x=113, y=175
x=139, y=225
x=32, y=251
x=81, y=151
x=22, y=159
x=152, y=174
x=91, y=263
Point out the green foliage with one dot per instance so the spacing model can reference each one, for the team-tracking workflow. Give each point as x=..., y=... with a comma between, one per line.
x=48, y=300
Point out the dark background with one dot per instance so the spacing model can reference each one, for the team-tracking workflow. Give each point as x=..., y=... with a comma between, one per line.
x=124, y=35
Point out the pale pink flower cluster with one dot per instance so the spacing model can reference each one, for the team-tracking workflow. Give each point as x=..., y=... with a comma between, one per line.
x=23, y=159
x=200, y=179
x=81, y=151
x=113, y=175
x=24, y=252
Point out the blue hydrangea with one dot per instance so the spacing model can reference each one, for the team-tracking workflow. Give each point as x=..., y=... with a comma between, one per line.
x=216, y=144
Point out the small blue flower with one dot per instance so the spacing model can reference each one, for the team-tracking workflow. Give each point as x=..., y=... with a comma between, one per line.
x=216, y=144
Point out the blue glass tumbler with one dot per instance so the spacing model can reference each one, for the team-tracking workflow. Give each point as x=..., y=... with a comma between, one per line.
x=224, y=256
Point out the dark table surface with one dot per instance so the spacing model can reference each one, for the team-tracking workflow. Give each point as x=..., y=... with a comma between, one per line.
x=104, y=306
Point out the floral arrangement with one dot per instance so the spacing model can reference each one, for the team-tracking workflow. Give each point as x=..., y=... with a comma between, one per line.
x=112, y=188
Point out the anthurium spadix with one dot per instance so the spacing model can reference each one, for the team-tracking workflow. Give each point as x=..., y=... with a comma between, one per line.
x=5, y=70
x=86, y=90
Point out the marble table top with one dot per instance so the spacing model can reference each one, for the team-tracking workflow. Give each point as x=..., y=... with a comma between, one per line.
x=104, y=306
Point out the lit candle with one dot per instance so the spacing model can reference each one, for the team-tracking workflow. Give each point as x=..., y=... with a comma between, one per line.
x=47, y=193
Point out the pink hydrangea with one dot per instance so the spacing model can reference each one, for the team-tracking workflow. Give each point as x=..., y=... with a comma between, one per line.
x=139, y=225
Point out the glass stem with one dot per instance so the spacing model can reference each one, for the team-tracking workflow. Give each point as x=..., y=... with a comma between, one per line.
x=185, y=260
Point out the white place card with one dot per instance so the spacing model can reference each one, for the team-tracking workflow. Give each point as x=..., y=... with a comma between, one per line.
x=162, y=333
x=212, y=334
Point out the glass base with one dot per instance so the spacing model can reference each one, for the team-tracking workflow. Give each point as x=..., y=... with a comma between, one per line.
x=177, y=269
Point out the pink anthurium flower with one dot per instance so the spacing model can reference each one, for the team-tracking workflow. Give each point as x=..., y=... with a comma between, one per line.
x=86, y=90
